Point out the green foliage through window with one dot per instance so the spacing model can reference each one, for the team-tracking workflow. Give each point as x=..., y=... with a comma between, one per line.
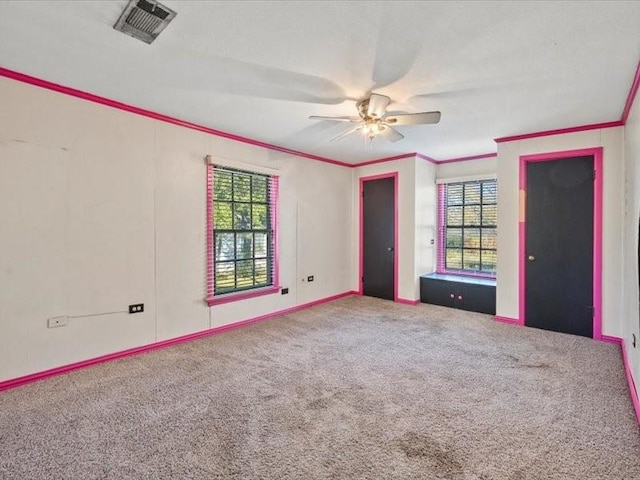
x=242, y=230
x=470, y=221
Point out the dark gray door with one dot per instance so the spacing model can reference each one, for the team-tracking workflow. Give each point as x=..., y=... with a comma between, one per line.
x=559, y=245
x=378, y=247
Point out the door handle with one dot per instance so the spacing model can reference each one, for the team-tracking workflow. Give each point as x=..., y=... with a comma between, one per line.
x=389, y=249
x=531, y=258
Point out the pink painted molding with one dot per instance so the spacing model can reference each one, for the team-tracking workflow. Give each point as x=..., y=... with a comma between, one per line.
x=633, y=391
x=509, y=320
x=426, y=158
x=407, y=302
x=466, y=159
x=609, y=339
x=632, y=95
x=16, y=382
x=597, y=153
x=396, y=236
x=234, y=297
x=20, y=77
x=383, y=160
x=581, y=128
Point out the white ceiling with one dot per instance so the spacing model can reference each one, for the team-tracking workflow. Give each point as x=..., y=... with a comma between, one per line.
x=259, y=69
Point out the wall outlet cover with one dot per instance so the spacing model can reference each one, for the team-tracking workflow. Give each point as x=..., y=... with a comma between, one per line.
x=136, y=308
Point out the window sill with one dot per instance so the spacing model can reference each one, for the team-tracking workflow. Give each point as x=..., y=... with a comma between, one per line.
x=466, y=274
x=235, y=297
x=461, y=277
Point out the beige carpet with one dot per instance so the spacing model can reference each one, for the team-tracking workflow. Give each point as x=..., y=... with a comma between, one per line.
x=357, y=389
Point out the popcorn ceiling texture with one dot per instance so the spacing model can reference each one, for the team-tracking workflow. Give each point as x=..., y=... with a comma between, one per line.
x=359, y=388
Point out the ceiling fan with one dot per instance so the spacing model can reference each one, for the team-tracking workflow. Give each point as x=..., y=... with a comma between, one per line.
x=374, y=120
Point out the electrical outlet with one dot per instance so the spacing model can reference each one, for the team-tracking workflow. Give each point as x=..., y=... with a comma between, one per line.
x=284, y=291
x=57, y=322
x=136, y=308
x=310, y=278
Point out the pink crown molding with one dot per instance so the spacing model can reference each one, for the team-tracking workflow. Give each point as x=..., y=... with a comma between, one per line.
x=21, y=77
x=632, y=96
x=546, y=133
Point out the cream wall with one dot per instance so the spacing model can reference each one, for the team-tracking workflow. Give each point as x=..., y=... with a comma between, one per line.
x=468, y=168
x=631, y=315
x=611, y=139
x=426, y=222
x=100, y=208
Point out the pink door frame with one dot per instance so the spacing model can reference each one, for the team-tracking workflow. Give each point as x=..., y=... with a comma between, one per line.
x=597, y=228
x=393, y=175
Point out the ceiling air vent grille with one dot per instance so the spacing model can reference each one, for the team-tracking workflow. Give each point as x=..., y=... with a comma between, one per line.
x=144, y=19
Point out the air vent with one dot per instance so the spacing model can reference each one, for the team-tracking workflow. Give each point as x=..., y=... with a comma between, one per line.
x=144, y=19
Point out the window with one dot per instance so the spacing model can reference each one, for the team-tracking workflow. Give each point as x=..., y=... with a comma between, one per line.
x=242, y=233
x=468, y=213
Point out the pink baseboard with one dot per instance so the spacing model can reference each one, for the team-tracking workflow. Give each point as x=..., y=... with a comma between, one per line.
x=509, y=320
x=633, y=391
x=608, y=339
x=407, y=302
x=16, y=382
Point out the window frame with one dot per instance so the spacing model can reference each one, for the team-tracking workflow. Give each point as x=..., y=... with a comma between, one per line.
x=213, y=298
x=442, y=229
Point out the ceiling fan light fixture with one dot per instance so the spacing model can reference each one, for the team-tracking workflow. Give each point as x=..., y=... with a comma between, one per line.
x=374, y=120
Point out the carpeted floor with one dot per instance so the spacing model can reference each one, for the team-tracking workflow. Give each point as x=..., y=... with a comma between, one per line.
x=357, y=389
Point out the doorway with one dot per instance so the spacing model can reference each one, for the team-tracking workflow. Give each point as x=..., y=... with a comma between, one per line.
x=378, y=236
x=560, y=242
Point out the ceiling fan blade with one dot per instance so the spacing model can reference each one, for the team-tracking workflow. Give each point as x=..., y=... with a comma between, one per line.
x=391, y=134
x=336, y=119
x=348, y=132
x=423, y=118
x=377, y=105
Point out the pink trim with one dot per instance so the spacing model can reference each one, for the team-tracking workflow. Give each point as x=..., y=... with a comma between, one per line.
x=427, y=159
x=210, y=223
x=234, y=297
x=597, y=153
x=393, y=175
x=38, y=82
x=633, y=391
x=16, y=382
x=158, y=116
x=465, y=159
x=608, y=339
x=509, y=320
x=632, y=95
x=440, y=261
x=407, y=302
x=275, y=202
x=383, y=160
x=581, y=128
x=440, y=253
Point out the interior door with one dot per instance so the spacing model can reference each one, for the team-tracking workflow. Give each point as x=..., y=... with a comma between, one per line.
x=378, y=220
x=559, y=245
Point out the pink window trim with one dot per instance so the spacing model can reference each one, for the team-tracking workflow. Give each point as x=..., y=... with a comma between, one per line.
x=258, y=292
x=234, y=297
x=441, y=241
